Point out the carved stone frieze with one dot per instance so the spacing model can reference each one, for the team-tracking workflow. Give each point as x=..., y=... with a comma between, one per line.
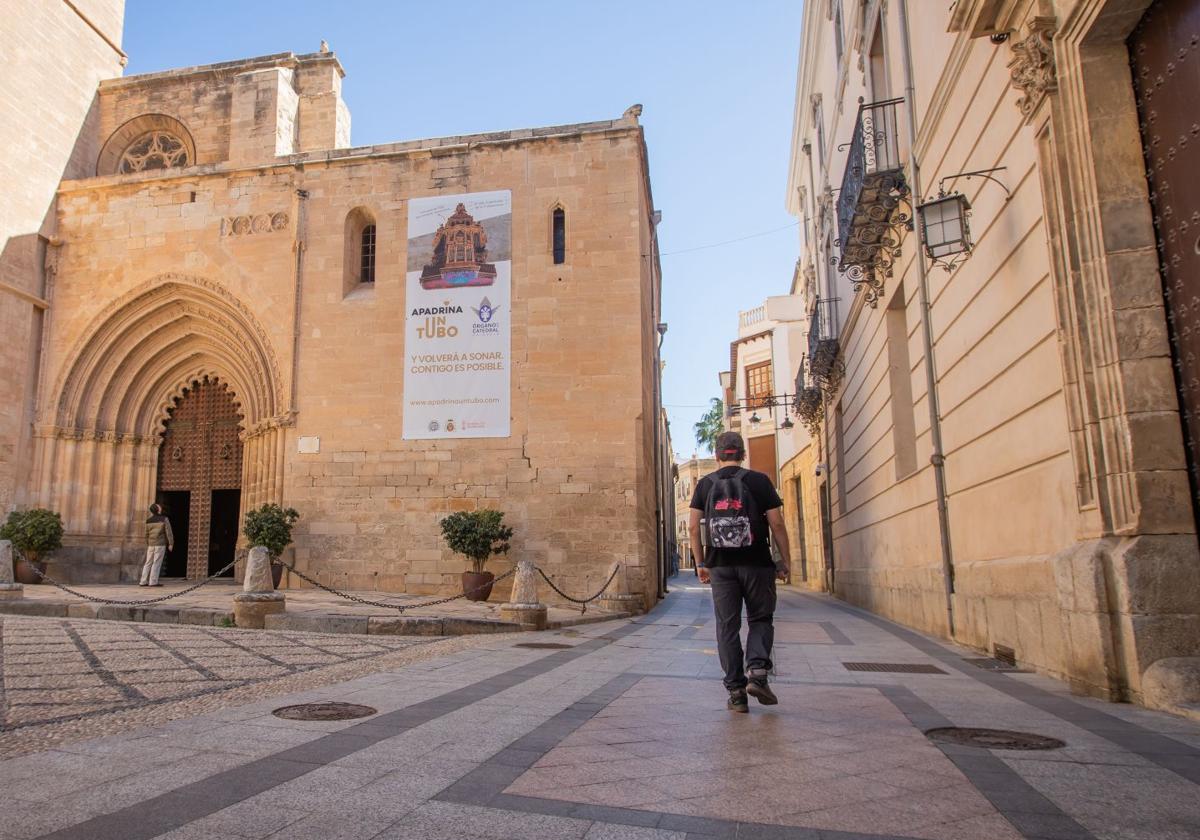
x=1033, y=68
x=254, y=223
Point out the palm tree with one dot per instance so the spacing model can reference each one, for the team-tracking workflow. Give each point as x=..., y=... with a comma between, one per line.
x=711, y=424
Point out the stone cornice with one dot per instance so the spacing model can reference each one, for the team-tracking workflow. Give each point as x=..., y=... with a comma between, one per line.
x=417, y=148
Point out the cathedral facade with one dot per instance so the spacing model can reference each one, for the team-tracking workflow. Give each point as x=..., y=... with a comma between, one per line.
x=244, y=309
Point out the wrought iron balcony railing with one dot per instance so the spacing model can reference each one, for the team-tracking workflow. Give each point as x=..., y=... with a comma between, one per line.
x=825, y=364
x=873, y=206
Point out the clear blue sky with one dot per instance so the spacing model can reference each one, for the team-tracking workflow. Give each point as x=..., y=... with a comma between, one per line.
x=716, y=78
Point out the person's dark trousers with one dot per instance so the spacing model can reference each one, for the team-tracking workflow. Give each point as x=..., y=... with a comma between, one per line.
x=731, y=587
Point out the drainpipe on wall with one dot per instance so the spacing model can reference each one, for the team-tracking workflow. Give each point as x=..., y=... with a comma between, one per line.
x=937, y=458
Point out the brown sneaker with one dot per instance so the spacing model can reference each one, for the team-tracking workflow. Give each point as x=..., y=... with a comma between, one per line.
x=759, y=689
x=738, y=702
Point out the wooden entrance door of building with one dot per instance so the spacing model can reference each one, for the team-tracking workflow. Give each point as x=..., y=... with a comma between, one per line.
x=200, y=463
x=1166, y=76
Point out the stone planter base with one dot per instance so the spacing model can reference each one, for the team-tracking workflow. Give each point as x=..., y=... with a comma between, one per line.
x=529, y=616
x=11, y=591
x=250, y=609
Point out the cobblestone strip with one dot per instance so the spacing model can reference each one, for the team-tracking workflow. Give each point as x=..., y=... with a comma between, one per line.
x=287, y=666
x=106, y=676
x=182, y=657
x=3, y=692
x=1176, y=756
x=176, y=808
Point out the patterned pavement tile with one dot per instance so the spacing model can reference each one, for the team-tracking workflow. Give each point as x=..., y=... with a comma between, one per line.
x=62, y=679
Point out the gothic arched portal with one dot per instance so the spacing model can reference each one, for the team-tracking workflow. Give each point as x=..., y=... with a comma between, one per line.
x=200, y=478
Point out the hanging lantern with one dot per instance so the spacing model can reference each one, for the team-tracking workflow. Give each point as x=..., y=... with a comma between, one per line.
x=946, y=232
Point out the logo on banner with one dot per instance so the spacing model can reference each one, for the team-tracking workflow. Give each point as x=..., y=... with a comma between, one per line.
x=434, y=425
x=449, y=425
x=485, y=313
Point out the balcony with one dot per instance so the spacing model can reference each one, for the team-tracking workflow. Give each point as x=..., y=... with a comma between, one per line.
x=823, y=359
x=873, y=207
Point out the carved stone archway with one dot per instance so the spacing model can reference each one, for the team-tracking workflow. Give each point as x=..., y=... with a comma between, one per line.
x=100, y=429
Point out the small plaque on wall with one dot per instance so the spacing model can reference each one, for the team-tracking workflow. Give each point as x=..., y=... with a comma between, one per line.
x=310, y=445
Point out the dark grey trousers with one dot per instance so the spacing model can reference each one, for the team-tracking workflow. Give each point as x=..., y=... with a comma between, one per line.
x=753, y=586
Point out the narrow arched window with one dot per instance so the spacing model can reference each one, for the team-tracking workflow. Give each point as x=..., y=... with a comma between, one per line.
x=559, y=228
x=366, y=251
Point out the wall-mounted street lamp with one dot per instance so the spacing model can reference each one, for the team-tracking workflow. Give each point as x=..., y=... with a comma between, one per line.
x=947, y=232
x=945, y=227
x=755, y=419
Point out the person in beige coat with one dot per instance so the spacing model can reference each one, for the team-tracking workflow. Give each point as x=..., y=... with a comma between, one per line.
x=159, y=540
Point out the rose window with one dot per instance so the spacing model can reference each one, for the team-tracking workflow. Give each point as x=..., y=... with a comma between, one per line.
x=156, y=150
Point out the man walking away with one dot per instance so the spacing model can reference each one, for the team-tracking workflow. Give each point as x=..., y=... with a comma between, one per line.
x=740, y=507
x=159, y=540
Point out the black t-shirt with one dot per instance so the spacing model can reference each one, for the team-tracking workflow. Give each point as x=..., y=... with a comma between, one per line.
x=759, y=552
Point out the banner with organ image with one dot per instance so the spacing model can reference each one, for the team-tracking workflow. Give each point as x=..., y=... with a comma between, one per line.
x=457, y=347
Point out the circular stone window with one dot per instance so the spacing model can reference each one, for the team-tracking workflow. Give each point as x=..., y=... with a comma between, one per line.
x=324, y=711
x=154, y=150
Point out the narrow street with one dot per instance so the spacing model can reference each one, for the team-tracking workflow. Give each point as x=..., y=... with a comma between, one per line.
x=618, y=730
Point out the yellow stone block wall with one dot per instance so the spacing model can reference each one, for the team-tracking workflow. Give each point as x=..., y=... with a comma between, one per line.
x=575, y=476
x=53, y=62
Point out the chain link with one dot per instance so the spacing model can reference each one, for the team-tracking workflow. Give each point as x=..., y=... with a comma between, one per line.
x=385, y=604
x=583, y=601
x=118, y=602
x=357, y=599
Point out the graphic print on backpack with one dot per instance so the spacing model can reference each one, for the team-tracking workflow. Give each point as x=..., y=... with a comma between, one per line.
x=729, y=511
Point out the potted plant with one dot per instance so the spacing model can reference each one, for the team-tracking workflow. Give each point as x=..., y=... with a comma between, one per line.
x=477, y=534
x=271, y=527
x=33, y=533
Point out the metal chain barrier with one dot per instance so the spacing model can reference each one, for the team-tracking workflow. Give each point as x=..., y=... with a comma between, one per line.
x=122, y=603
x=583, y=601
x=357, y=599
x=385, y=604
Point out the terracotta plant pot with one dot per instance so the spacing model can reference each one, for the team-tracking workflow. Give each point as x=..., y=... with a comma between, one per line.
x=474, y=580
x=23, y=570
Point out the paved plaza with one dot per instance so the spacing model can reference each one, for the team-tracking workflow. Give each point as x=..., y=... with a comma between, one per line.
x=611, y=730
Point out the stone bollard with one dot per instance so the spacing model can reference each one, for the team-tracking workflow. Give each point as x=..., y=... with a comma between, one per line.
x=8, y=589
x=617, y=598
x=258, y=597
x=523, y=605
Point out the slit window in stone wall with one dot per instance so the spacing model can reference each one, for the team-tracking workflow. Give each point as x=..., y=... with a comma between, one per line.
x=366, y=272
x=360, y=250
x=559, y=229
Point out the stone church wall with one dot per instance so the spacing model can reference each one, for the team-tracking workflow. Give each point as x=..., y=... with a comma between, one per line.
x=54, y=59
x=160, y=253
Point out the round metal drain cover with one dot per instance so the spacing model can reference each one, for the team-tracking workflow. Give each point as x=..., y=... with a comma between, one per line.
x=993, y=739
x=324, y=711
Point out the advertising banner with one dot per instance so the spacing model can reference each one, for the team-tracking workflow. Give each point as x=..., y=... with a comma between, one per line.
x=457, y=348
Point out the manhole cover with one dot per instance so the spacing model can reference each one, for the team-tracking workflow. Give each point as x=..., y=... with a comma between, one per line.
x=993, y=739
x=989, y=664
x=893, y=667
x=544, y=645
x=324, y=711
